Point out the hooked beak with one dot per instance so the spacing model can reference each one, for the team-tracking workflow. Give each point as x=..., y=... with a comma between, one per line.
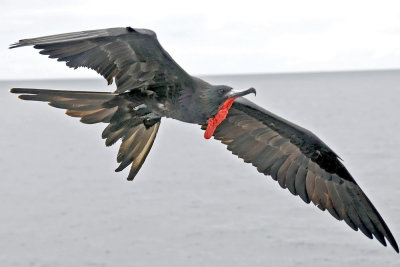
x=242, y=93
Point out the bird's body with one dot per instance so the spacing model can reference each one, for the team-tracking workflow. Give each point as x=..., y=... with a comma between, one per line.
x=150, y=86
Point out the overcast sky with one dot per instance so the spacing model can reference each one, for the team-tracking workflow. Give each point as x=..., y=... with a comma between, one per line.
x=217, y=37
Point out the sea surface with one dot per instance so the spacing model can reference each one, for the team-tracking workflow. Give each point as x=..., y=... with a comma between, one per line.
x=194, y=203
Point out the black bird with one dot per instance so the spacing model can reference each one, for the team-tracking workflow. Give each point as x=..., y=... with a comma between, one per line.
x=151, y=85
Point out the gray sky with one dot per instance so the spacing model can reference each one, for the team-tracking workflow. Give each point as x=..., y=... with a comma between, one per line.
x=217, y=37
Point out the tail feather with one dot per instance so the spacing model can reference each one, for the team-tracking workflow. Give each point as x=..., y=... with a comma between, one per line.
x=95, y=107
x=99, y=115
x=89, y=106
x=63, y=93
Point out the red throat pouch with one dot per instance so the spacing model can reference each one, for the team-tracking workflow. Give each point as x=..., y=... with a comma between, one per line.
x=213, y=122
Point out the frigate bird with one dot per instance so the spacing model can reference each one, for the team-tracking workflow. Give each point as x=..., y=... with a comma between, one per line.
x=151, y=85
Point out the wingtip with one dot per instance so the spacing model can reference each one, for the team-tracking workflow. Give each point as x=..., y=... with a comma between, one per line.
x=390, y=238
x=394, y=245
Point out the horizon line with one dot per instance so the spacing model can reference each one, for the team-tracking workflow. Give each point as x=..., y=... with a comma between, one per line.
x=310, y=72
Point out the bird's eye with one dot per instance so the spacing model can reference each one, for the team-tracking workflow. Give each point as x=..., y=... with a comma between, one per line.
x=222, y=91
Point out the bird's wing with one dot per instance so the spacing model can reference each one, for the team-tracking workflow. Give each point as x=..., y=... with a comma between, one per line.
x=302, y=163
x=124, y=122
x=134, y=57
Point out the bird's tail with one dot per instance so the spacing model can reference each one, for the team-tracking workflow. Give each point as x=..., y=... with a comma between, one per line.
x=89, y=106
x=131, y=125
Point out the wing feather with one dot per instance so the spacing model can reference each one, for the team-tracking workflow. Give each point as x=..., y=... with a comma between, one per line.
x=133, y=57
x=302, y=163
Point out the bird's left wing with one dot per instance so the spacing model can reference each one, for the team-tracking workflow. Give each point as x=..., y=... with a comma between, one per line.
x=134, y=57
x=302, y=163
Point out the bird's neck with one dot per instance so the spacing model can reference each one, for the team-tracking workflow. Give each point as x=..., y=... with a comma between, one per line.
x=214, y=121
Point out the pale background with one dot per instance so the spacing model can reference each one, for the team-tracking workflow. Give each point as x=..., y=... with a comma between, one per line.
x=193, y=203
x=217, y=37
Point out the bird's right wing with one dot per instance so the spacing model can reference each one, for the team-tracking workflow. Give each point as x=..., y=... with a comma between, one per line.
x=302, y=163
x=134, y=57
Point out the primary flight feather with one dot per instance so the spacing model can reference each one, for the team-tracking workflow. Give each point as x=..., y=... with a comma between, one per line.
x=151, y=85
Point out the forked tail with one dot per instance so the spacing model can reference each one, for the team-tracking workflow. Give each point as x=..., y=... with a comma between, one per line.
x=130, y=125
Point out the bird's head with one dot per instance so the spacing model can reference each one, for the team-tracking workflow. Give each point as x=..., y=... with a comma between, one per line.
x=218, y=94
x=221, y=101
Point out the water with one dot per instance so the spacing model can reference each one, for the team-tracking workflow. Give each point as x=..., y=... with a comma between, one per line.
x=193, y=203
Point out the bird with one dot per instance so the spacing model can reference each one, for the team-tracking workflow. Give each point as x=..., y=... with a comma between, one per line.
x=150, y=86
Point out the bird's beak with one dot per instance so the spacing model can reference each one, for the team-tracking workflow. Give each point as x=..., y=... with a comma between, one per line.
x=242, y=93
